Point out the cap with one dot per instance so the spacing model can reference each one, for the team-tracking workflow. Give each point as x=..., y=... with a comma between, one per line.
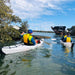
x=30, y=31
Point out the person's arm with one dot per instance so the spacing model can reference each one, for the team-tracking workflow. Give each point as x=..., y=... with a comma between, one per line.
x=64, y=40
x=22, y=34
x=33, y=41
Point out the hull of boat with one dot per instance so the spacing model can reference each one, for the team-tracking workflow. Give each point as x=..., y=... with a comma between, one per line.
x=19, y=48
x=58, y=29
x=66, y=44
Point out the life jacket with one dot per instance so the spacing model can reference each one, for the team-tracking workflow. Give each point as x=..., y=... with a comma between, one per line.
x=27, y=38
x=65, y=36
x=68, y=39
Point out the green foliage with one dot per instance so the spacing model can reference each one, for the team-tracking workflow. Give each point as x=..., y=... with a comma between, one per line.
x=15, y=34
x=6, y=13
x=8, y=33
x=73, y=27
x=72, y=30
x=15, y=19
x=24, y=26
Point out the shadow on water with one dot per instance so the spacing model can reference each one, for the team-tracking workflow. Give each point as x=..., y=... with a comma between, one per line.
x=1, y=59
x=2, y=72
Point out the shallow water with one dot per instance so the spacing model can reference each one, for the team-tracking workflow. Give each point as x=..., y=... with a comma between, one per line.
x=51, y=59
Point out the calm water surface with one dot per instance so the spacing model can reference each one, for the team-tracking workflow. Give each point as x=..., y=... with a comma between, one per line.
x=51, y=59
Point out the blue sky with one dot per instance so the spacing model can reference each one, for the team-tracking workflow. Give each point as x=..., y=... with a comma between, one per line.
x=42, y=14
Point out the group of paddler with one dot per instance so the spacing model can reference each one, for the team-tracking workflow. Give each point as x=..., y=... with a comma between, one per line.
x=28, y=38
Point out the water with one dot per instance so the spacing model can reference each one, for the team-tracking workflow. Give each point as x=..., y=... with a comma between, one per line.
x=51, y=59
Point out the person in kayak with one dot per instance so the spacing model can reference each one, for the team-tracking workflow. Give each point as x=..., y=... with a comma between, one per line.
x=68, y=38
x=28, y=38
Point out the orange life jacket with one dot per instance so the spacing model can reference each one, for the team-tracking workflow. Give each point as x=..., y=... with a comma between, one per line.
x=68, y=39
x=27, y=38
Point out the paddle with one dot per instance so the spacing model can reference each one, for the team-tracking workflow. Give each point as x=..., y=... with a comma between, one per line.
x=47, y=43
x=39, y=36
x=72, y=45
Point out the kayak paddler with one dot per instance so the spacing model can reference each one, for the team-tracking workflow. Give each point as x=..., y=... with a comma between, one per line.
x=68, y=38
x=28, y=38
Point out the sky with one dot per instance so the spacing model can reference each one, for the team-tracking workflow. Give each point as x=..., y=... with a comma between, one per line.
x=42, y=14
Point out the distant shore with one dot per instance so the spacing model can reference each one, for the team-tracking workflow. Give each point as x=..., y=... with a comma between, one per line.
x=43, y=31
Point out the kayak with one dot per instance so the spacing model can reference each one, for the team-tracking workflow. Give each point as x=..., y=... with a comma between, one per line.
x=20, y=48
x=67, y=44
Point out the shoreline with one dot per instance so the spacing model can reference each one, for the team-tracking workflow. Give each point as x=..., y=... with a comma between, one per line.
x=43, y=31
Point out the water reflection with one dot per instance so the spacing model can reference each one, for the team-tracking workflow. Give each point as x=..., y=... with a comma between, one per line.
x=55, y=60
x=68, y=51
x=9, y=64
x=67, y=69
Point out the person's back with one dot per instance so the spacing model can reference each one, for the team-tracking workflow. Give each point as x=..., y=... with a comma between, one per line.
x=68, y=38
x=28, y=38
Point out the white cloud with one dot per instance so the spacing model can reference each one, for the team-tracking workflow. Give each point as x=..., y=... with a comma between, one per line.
x=45, y=25
x=35, y=8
